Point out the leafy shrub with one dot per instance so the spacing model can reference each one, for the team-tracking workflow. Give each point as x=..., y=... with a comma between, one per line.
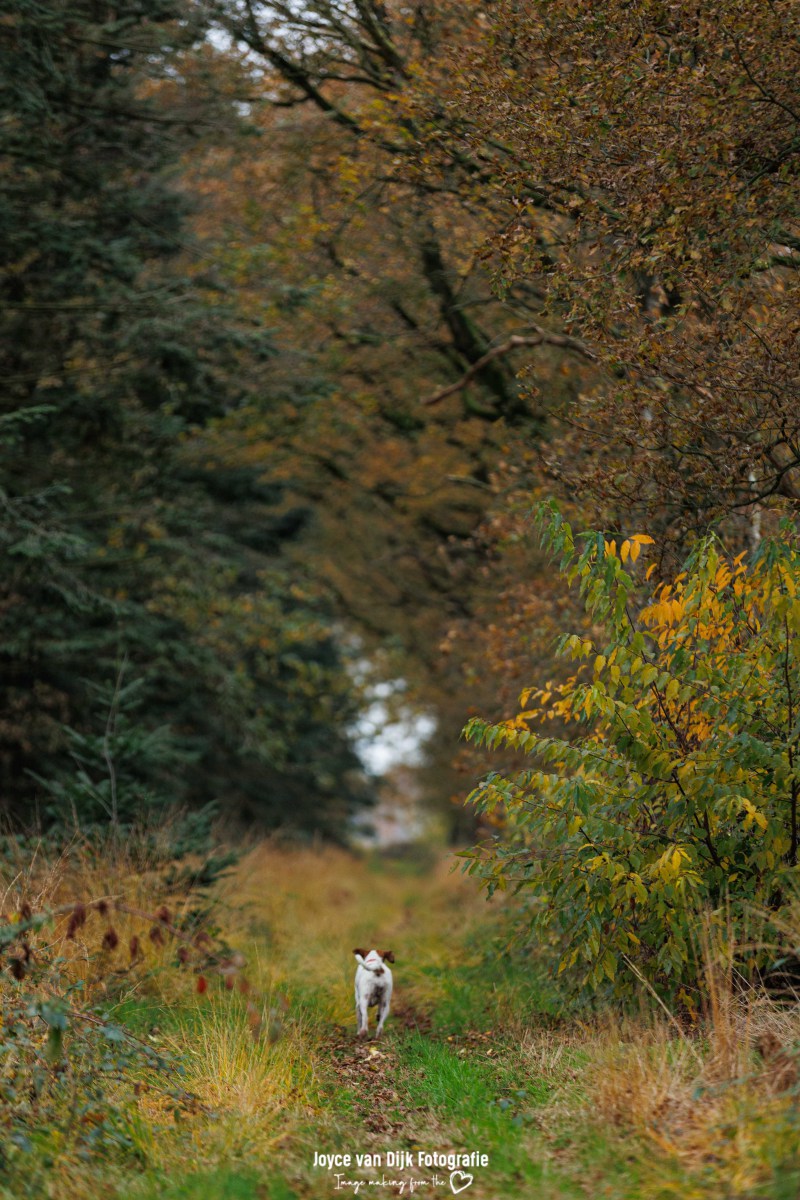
x=69, y=1075
x=679, y=790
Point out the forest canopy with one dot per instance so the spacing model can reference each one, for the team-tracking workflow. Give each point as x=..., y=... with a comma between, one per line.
x=304, y=306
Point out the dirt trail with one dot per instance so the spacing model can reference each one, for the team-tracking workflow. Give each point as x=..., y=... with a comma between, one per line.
x=367, y=1071
x=368, y=1068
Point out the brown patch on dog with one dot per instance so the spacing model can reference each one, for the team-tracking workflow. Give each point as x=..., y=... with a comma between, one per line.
x=358, y=950
x=387, y=955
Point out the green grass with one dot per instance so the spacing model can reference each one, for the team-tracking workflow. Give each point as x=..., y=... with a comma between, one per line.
x=486, y=993
x=221, y=1185
x=480, y=1054
x=486, y=1103
x=152, y=1017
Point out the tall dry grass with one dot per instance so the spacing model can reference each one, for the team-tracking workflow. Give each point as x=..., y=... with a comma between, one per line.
x=717, y=1103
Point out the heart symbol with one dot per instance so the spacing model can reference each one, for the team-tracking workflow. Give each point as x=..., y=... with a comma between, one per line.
x=459, y=1181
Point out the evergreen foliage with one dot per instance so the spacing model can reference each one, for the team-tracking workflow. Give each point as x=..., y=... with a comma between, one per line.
x=115, y=542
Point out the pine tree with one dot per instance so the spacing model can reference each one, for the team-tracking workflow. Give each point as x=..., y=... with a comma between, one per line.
x=114, y=544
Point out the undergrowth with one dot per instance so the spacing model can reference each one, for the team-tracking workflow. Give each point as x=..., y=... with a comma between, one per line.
x=219, y=1056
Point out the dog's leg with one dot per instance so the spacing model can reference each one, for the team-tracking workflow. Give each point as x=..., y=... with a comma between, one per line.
x=362, y=1018
x=383, y=1010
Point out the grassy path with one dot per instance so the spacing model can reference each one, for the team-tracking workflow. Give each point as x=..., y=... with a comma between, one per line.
x=449, y=1076
x=453, y=1072
x=473, y=1060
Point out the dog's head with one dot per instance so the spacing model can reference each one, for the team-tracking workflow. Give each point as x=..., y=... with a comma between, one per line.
x=374, y=960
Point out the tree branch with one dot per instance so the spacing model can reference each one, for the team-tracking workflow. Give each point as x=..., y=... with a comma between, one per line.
x=542, y=337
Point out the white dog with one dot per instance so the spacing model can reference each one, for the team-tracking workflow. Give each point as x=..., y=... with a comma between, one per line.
x=373, y=986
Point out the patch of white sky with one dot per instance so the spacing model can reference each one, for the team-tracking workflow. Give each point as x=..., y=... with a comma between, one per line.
x=389, y=733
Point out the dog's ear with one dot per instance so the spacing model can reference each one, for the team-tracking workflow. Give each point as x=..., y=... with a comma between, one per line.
x=359, y=953
x=387, y=955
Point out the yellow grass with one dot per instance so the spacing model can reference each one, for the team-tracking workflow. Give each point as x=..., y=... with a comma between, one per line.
x=715, y=1103
x=314, y=906
x=702, y=1112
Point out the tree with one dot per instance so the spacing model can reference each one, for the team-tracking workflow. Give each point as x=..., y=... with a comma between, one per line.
x=646, y=161
x=373, y=283
x=117, y=542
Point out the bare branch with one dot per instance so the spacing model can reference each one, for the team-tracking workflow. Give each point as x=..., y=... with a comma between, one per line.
x=542, y=337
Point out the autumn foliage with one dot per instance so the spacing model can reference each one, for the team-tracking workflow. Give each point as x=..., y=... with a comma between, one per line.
x=645, y=160
x=676, y=789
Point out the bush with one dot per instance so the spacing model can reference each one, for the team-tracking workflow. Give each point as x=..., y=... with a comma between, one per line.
x=679, y=789
x=71, y=1076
